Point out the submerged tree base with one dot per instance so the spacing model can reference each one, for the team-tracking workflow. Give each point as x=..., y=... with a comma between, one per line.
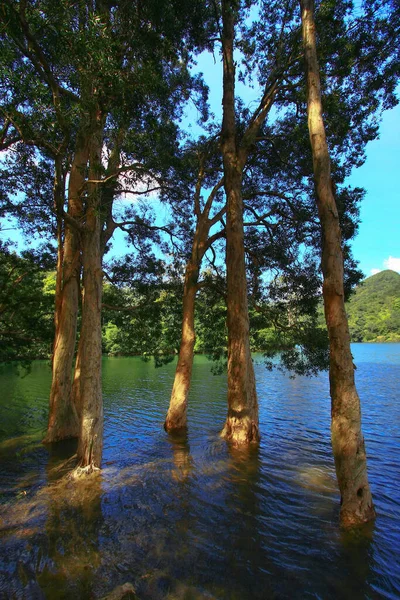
x=58, y=435
x=175, y=422
x=80, y=472
x=240, y=430
x=355, y=517
x=358, y=508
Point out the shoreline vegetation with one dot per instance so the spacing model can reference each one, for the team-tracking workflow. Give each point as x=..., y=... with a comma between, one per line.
x=373, y=311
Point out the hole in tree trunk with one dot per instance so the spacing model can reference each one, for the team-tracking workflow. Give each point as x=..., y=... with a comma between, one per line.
x=360, y=492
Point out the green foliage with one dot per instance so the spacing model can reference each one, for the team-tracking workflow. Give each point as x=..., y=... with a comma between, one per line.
x=374, y=309
x=26, y=307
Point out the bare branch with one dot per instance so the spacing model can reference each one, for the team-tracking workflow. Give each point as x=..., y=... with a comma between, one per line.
x=216, y=236
x=218, y=217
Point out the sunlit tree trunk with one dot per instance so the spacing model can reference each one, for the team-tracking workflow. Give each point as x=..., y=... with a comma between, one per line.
x=176, y=416
x=241, y=425
x=177, y=412
x=107, y=225
x=63, y=421
x=347, y=439
x=91, y=422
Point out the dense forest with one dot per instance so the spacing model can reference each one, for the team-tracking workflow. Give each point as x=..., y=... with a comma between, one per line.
x=230, y=233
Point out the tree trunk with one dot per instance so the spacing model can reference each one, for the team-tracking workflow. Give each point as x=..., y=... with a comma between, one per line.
x=76, y=383
x=176, y=416
x=347, y=440
x=91, y=402
x=63, y=421
x=177, y=411
x=241, y=426
x=107, y=226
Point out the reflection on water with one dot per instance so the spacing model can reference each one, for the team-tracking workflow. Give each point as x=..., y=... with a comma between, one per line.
x=188, y=517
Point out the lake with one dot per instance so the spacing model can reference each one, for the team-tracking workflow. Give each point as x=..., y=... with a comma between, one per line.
x=189, y=517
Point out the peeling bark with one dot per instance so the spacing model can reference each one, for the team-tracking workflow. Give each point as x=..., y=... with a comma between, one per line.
x=241, y=425
x=63, y=421
x=347, y=439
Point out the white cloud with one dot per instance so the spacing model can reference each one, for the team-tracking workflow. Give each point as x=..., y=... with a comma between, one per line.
x=392, y=263
x=375, y=271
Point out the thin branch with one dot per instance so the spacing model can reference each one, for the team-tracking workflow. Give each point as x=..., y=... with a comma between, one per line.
x=218, y=217
x=212, y=196
x=10, y=142
x=139, y=192
x=38, y=142
x=199, y=184
x=213, y=238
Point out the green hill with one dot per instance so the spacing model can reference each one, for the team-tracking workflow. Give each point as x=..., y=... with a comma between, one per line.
x=374, y=309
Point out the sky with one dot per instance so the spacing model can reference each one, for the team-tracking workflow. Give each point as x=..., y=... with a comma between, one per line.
x=377, y=245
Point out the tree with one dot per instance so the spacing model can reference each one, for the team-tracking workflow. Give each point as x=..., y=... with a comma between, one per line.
x=347, y=439
x=205, y=157
x=108, y=66
x=26, y=301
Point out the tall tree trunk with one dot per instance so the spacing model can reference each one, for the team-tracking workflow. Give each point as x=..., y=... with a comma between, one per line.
x=107, y=226
x=176, y=416
x=177, y=411
x=241, y=426
x=91, y=423
x=76, y=382
x=63, y=421
x=347, y=440
x=59, y=195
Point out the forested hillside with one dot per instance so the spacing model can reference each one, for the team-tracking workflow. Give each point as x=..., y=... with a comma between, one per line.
x=374, y=309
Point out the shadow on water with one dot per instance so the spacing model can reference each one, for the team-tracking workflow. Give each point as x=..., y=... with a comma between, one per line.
x=187, y=516
x=50, y=532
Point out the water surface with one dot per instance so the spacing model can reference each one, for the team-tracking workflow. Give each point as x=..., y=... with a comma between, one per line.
x=189, y=517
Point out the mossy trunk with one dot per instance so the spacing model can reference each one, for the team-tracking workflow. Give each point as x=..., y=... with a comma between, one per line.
x=347, y=439
x=241, y=427
x=63, y=422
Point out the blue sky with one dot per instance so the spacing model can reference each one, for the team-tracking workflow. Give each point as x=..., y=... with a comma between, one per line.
x=377, y=245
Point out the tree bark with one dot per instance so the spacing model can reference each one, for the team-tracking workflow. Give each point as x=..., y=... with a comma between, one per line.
x=76, y=383
x=241, y=425
x=91, y=423
x=177, y=411
x=63, y=421
x=107, y=192
x=347, y=439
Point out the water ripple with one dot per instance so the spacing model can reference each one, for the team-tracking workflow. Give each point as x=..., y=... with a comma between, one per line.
x=187, y=516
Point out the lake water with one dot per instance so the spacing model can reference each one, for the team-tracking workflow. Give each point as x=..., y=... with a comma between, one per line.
x=190, y=518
